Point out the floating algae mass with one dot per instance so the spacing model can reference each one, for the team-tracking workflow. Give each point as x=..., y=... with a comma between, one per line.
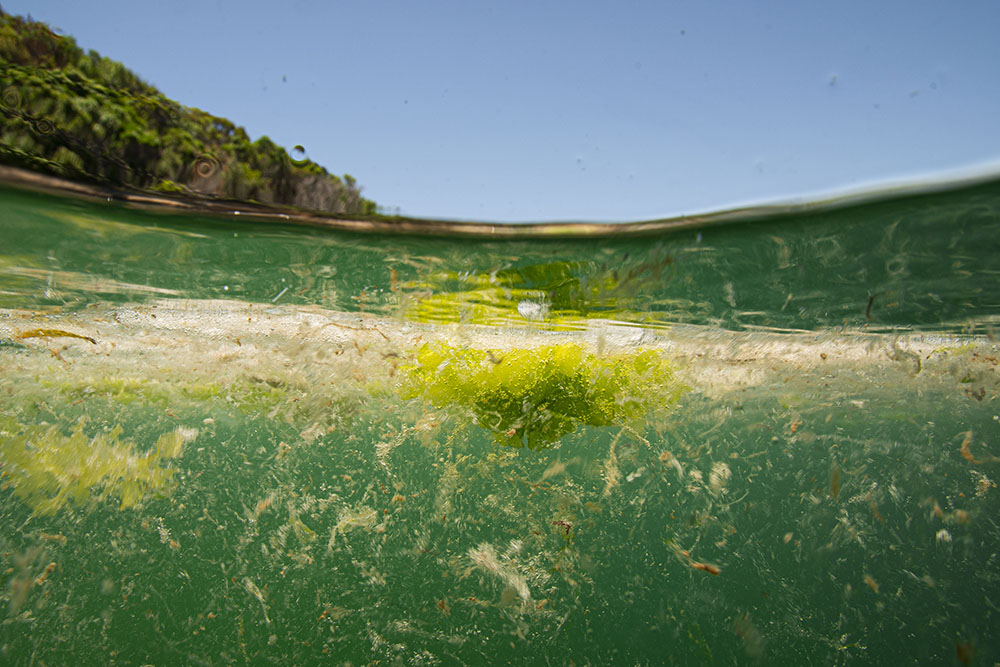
x=48, y=469
x=247, y=394
x=124, y=390
x=536, y=396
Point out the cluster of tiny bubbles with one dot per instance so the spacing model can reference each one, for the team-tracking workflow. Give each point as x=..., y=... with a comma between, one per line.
x=205, y=166
x=11, y=97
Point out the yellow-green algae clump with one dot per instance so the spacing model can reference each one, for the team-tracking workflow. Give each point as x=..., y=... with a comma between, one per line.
x=535, y=396
x=47, y=469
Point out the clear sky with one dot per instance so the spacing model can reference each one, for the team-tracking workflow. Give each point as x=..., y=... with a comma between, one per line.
x=537, y=110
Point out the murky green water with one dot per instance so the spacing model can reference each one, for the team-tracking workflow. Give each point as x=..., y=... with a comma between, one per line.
x=770, y=443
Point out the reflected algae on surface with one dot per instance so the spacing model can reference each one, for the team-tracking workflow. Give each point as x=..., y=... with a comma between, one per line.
x=560, y=294
x=536, y=396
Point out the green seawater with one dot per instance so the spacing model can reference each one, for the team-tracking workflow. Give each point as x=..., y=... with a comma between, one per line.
x=772, y=442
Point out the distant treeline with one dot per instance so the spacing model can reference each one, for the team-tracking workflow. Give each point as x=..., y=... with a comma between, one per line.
x=83, y=116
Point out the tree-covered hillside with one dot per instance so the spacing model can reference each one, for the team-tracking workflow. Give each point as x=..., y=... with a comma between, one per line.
x=86, y=117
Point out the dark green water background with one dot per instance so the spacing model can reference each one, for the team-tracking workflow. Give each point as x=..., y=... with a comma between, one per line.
x=827, y=527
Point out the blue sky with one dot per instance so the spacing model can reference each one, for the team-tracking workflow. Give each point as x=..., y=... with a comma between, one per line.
x=531, y=111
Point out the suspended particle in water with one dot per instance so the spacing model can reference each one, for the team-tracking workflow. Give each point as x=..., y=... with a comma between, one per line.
x=59, y=538
x=486, y=558
x=632, y=476
x=256, y=592
x=53, y=333
x=706, y=567
x=730, y=293
x=508, y=596
x=965, y=652
x=753, y=640
x=719, y=477
x=871, y=583
x=965, y=451
x=983, y=484
x=556, y=468
x=943, y=537
x=49, y=569
x=667, y=457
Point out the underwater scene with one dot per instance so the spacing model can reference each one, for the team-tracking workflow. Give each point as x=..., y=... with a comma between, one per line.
x=771, y=441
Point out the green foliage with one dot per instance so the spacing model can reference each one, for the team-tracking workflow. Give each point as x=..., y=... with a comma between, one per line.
x=47, y=469
x=166, y=185
x=26, y=42
x=83, y=116
x=536, y=396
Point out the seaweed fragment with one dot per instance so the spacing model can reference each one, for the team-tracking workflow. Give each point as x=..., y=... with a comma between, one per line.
x=536, y=396
x=47, y=469
x=54, y=333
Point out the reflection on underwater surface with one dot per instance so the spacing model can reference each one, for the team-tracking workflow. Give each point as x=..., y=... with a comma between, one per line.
x=915, y=262
x=228, y=444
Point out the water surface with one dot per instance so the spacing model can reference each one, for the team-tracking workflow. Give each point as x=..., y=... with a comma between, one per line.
x=241, y=443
